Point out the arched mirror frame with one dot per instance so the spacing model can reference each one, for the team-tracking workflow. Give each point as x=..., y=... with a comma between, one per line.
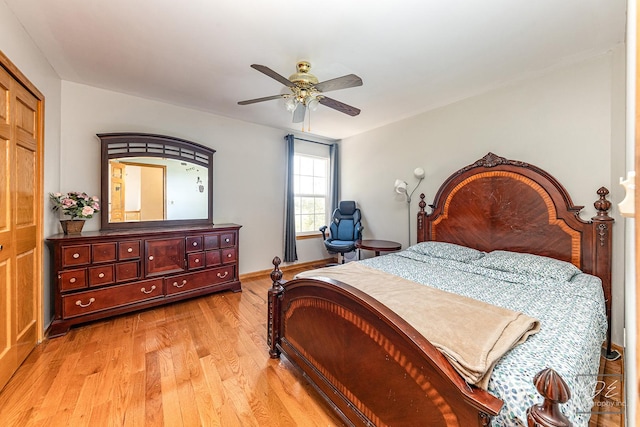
x=125, y=145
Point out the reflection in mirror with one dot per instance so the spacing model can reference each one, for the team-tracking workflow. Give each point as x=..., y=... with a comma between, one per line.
x=150, y=180
x=150, y=189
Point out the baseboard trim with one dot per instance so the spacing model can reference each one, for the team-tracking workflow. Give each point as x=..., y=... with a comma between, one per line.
x=265, y=273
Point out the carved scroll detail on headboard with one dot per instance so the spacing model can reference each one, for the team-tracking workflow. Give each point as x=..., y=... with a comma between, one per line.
x=491, y=160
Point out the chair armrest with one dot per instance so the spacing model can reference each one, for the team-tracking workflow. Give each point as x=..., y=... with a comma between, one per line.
x=359, y=229
x=323, y=229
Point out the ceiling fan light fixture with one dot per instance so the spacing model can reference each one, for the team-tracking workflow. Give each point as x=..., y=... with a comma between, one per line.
x=312, y=103
x=290, y=104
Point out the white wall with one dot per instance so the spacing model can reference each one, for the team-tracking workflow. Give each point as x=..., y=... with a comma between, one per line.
x=16, y=44
x=566, y=121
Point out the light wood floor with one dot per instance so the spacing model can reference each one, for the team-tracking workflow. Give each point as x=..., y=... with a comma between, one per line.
x=198, y=362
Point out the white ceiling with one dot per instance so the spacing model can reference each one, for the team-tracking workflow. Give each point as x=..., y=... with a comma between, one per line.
x=413, y=55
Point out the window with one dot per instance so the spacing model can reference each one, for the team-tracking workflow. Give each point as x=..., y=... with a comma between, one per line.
x=311, y=192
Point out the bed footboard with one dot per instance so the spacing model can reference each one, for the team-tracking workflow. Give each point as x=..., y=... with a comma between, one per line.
x=370, y=365
x=374, y=369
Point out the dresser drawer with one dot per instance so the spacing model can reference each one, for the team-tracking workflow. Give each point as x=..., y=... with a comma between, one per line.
x=213, y=258
x=127, y=271
x=229, y=255
x=73, y=279
x=212, y=241
x=202, y=279
x=76, y=255
x=101, y=275
x=224, y=274
x=104, y=252
x=129, y=250
x=193, y=244
x=227, y=240
x=82, y=303
x=195, y=260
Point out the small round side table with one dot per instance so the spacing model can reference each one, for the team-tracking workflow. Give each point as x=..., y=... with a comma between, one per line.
x=378, y=245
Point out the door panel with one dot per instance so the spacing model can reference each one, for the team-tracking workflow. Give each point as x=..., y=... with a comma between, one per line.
x=20, y=222
x=8, y=353
x=116, y=207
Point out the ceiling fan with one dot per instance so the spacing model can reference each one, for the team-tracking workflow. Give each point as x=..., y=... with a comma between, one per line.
x=306, y=92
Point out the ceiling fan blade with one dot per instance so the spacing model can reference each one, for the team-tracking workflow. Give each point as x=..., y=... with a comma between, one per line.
x=269, y=72
x=350, y=80
x=340, y=106
x=253, y=101
x=298, y=113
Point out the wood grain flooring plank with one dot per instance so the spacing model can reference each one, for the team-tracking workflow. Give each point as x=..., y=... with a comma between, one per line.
x=81, y=415
x=153, y=410
x=170, y=405
x=223, y=408
x=135, y=414
x=63, y=378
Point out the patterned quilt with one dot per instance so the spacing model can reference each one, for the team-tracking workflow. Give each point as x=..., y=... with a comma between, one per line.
x=569, y=304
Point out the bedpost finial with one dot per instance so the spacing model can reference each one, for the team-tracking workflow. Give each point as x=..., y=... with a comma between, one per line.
x=551, y=386
x=422, y=203
x=276, y=274
x=555, y=391
x=602, y=205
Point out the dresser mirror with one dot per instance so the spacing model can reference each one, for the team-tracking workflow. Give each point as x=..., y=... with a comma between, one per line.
x=154, y=180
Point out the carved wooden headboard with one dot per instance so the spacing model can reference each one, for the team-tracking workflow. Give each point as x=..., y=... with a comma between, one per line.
x=496, y=203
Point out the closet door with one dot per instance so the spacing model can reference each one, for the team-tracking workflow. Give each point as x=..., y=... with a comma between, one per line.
x=20, y=213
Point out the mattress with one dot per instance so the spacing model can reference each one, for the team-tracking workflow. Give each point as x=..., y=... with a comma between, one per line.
x=568, y=303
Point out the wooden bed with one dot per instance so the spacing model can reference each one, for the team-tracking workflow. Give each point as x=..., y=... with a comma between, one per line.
x=334, y=333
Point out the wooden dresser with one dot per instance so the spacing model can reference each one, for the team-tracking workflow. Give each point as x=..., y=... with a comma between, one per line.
x=105, y=273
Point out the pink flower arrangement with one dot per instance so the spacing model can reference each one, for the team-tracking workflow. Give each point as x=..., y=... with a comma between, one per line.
x=75, y=204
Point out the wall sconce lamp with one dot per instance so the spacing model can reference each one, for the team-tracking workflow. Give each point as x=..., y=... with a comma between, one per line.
x=401, y=187
x=627, y=205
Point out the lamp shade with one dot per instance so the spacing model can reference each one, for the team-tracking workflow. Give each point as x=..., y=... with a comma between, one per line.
x=627, y=205
x=418, y=173
x=401, y=187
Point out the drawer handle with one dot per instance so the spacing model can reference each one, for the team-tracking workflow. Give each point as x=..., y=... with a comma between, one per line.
x=101, y=275
x=129, y=250
x=228, y=255
x=72, y=280
x=76, y=255
x=226, y=240
x=91, y=300
x=184, y=282
x=197, y=260
x=144, y=291
x=222, y=276
x=195, y=244
x=151, y=258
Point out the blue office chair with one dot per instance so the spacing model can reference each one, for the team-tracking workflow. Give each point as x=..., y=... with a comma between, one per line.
x=345, y=229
